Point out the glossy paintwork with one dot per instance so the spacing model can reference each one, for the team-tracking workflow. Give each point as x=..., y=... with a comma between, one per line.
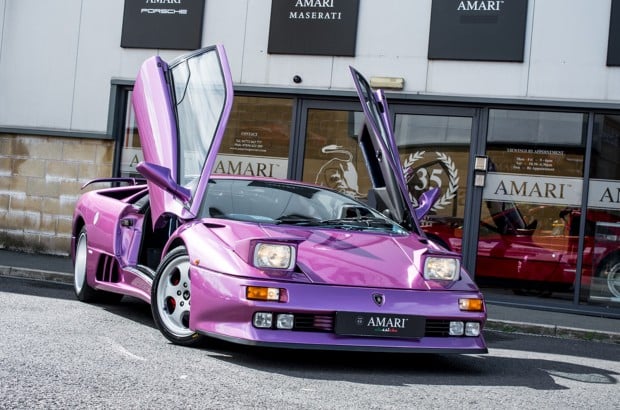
x=336, y=269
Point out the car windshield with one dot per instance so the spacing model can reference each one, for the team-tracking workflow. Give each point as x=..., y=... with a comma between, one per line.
x=276, y=202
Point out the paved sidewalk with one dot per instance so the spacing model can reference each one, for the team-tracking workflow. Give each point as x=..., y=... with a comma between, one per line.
x=503, y=317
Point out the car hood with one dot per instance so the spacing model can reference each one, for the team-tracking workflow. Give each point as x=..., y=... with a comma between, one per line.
x=345, y=257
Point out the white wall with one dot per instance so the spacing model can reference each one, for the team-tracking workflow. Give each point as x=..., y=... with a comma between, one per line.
x=57, y=57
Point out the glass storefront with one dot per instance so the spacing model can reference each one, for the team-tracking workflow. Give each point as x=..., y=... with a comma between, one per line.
x=434, y=151
x=256, y=141
x=257, y=138
x=601, y=266
x=521, y=233
x=529, y=233
x=332, y=156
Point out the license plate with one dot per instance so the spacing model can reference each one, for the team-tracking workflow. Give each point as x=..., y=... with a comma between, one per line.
x=380, y=325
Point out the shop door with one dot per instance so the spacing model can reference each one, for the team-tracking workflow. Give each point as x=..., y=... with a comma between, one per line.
x=437, y=146
x=530, y=216
x=435, y=143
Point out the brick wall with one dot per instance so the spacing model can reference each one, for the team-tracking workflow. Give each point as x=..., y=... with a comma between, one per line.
x=40, y=180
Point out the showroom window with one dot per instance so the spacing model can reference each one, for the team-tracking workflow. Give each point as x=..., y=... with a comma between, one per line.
x=528, y=238
x=601, y=257
x=256, y=141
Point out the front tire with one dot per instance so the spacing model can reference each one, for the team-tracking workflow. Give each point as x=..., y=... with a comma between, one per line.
x=171, y=298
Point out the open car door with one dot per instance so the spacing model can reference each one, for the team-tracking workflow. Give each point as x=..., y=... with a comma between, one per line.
x=181, y=112
x=378, y=145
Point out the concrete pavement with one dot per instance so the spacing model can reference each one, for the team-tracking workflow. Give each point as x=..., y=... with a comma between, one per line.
x=505, y=316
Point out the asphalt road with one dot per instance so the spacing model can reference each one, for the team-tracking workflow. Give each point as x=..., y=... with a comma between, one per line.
x=56, y=352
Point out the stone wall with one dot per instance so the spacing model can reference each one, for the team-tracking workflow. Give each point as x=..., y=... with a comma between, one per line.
x=40, y=180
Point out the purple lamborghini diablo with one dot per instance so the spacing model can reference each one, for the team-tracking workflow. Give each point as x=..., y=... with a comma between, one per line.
x=263, y=261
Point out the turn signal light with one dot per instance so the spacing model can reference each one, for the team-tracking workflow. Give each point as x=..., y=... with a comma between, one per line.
x=471, y=305
x=262, y=293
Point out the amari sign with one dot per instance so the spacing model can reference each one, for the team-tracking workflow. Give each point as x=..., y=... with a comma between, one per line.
x=163, y=24
x=484, y=30
x=313, y=27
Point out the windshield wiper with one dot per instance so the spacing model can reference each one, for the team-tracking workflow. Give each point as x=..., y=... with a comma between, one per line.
x=360, y=221
x=298, y=220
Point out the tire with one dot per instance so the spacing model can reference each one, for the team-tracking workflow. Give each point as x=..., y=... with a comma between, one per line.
x=610, y=270
x=170, y=299
x=83, y=291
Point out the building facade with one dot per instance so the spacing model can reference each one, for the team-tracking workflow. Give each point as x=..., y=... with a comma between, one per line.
x=511, y=107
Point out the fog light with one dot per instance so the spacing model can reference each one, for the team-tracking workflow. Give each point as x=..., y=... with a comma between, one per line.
x=285, y=321
x=472, y=329
x=263, y=320
x=472, y=305
x=261, y=293
x=456, y=328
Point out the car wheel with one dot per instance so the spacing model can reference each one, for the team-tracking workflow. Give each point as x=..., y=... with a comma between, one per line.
x=611, y=270
x=171, y=298
x=83, y=291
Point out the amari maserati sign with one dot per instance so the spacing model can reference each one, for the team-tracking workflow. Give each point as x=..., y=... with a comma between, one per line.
x=484, y=30
x=313, y=27
x=163, y=24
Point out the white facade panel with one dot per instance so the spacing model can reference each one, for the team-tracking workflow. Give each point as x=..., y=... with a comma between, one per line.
x=58, y=57
x=477, y=78
x=97, y=62
x=392, y=41
x=37, y=70
x=227, y=23
x=569, y=51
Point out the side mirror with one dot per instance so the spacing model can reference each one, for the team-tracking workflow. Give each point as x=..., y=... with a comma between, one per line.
x=426, y=202
x=162, y=177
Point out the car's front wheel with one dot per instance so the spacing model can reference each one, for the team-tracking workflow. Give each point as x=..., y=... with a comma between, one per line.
x=171, y=298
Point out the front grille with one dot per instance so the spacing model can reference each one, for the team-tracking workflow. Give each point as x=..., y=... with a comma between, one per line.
x=437, y=328
x=325, y=323
x=314, y=323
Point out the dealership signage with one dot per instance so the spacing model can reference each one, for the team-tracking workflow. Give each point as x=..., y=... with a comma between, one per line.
x=604, y=194
x=533, y=189
x=313, y=27
x=484, y=30
x=613, y=44
x=248, y=165
x=163, y=24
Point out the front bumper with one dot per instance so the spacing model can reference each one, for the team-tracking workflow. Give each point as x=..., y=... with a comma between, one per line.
x=220, y=309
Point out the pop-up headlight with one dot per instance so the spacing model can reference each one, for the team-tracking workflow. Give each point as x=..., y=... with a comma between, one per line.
x=274, y=256
x=441, y=268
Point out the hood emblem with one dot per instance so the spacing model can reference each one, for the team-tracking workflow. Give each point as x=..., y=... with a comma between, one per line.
x=378, y=298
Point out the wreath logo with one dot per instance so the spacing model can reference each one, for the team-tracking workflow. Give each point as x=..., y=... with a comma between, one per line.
x=447, y=164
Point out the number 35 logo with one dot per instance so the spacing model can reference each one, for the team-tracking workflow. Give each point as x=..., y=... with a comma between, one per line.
x=435, y=173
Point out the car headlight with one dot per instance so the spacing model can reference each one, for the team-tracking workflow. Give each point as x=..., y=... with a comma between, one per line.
x=274, y=256
x=441, y=268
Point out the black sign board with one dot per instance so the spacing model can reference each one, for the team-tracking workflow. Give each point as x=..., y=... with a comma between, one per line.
x=314, y=27
x=613, y=45
x=483, y=30
x=163, y=24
